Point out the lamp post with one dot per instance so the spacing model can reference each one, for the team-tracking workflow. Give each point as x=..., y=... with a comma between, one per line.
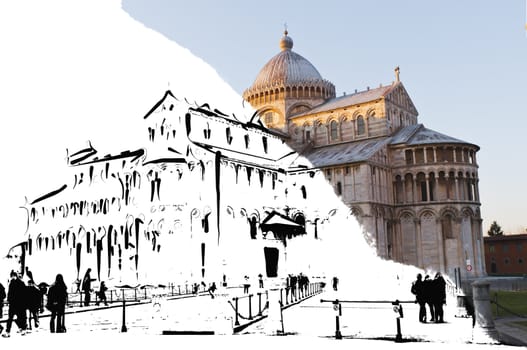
x=123, y=327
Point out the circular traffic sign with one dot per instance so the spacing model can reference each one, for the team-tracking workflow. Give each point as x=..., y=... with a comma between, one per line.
x=469, y=267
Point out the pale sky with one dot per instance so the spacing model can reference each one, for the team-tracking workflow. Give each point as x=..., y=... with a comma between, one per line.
x=75, y=72
x=462, y=62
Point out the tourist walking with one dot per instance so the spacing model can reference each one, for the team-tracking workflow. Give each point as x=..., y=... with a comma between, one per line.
x=246, y=285
x=335, y=283
x=260, y=281
x=102, y=294
x=418, y=289
x=33, y=303
x=438, y=296
x=428, y=291
x=2, y=297
x=16, y=297
x=57, y=298
x=86, y=287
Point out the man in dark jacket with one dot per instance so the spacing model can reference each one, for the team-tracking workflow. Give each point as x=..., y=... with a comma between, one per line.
x=2, y=297
x=418, y=289
x=428, y=291
x=16, y=297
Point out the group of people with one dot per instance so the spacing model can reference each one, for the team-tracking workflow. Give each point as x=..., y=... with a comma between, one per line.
x=295, y=283
x=430, y=292
x=23, y=298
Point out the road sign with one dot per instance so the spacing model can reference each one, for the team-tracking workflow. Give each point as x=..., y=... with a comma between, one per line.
x=469, y=267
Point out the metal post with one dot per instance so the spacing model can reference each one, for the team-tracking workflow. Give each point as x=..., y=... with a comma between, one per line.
x=236, y=321
x=145, y=294
x=179, y=289
x=135, y=294
x=123, y=327
x=399, y=336
x=259, y=304
x=398, y=308
x=338, y=308
x=250, y=307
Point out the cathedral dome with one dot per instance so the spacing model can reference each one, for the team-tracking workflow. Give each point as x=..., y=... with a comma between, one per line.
x=287, y=69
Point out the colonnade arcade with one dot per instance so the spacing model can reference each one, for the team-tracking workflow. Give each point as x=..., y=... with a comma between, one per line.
x=436, y=186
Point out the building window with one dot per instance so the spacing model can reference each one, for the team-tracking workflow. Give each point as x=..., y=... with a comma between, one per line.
x=506, y=261
x=409, y=156
x=446, y=224
x=228, y=135
x=347, y=170
x=492, y=249
x=519, y=247
x=333, y=127
x=246, y=137
x=505, y=247
x=361, y=128
x=339, y=188
x=520, y=261
x=328, y=173
x=307, y=136
x=264, y=141
x=268, y=118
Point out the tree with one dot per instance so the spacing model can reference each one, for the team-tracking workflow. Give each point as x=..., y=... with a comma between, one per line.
x=495, y=229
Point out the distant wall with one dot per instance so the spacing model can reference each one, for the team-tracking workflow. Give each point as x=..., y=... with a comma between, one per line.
x=498, y=283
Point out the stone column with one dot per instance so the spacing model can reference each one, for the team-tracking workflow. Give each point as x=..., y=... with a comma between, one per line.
x=419, y=242
x=484, y=331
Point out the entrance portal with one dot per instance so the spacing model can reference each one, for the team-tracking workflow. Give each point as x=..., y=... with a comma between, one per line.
x=271, y=261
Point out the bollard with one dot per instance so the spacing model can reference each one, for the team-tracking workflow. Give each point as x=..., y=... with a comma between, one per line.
x=123, y=327
x=259, y=304
x=250, y=307
x=236, y=322
x=398, y=309
x=179, y=289
x=338, y=309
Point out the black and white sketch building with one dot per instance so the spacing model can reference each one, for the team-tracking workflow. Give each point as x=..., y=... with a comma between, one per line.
x=206, y=196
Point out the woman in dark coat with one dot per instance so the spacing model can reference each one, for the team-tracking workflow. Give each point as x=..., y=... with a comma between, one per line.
x=439, y=296
x=57, y=298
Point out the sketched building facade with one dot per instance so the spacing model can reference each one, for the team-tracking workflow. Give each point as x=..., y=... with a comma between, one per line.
x=206, y=196
x=414, y=190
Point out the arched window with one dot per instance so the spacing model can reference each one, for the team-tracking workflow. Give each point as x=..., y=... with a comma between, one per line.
x=333, y=129
x=361, y=127
x=446, y=226
x=339, y=188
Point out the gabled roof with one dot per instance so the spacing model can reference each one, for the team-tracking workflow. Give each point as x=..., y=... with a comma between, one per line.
x=344, y=153
x=349, y=100
x=419, y=135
